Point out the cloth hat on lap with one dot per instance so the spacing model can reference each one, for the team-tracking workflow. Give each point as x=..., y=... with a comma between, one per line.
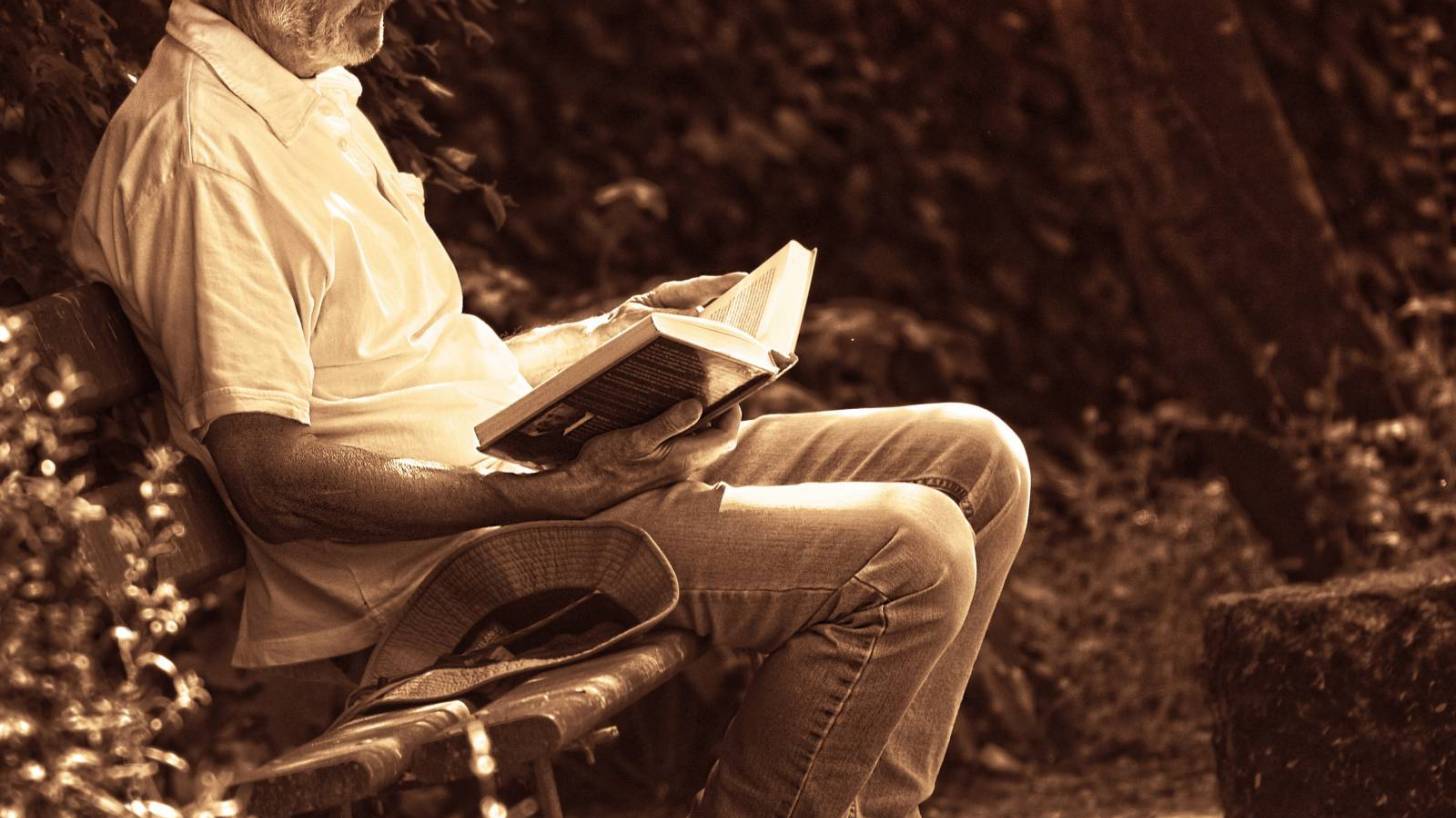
x=521, y=598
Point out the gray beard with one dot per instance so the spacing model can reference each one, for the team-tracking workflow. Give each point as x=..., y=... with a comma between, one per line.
x=295, y=33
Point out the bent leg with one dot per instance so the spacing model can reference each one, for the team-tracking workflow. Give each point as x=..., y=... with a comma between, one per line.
x=974, y=458
x=854, y=590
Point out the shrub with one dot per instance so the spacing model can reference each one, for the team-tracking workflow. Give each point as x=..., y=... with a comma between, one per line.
x=89, y=698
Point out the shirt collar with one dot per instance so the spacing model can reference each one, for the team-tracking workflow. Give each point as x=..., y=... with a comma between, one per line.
x=282, y=99
x=337, y=84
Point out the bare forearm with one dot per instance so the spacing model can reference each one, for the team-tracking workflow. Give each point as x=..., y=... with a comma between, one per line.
x=345, y=494
x=288, y=485
x=544, y=351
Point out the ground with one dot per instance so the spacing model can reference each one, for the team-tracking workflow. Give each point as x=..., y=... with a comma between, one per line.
x=1124, y=789
x=1143, y=789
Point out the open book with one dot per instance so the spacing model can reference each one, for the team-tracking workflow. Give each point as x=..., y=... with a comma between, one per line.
x=741, y=342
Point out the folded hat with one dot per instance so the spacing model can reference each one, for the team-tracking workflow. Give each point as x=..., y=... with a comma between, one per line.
x=520, y=598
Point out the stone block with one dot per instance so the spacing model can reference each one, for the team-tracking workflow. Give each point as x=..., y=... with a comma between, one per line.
x=1337, y=700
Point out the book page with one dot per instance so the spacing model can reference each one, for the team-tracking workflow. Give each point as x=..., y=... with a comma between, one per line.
x=769, y=303
x=744, y=306
x=720, y=337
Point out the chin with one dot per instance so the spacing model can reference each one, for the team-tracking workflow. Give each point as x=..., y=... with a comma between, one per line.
x=364, y=45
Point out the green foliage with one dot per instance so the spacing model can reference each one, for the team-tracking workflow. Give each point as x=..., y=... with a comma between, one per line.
x=89, y=700
x=1383, y=487
x=1363, y=86
x=61, y=75
x=1103, y=614
x=1369, y=91
x=406, y=77
x=935, y=152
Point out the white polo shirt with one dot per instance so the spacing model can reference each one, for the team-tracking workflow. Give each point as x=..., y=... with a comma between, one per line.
x=273, y=259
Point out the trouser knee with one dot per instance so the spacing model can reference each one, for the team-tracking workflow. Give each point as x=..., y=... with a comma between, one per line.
x=991, y=460
x=931, y=554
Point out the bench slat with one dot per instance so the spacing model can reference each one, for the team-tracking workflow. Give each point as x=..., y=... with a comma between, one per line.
x=87, y=325
x=532, y=721
x=210, y=547
x=346, y=764
x=551, y=711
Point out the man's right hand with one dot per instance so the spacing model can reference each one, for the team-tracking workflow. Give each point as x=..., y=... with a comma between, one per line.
x=620, y=464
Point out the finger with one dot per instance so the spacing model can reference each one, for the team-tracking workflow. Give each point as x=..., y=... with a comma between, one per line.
x=710, y=287
x=693, y=292
x=669, y=424
x=675, y=294
x=727, y=280
x=722, y=431
x=692, y=452
x=730, y=420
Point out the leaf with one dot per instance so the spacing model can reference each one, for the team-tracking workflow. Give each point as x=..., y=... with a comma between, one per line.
x=475, y=34
x=1428, y=305
x=495, y=203
x=459, y=159
x=435, y=88
x=641, y=193
x=25, y=171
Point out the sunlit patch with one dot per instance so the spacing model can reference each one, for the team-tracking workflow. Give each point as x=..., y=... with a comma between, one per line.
x=340, y=207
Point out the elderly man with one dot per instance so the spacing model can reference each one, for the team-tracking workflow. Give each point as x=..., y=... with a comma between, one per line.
x=307, y=330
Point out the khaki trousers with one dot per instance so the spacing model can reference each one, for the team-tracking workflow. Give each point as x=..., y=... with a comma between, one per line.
x=863, y=551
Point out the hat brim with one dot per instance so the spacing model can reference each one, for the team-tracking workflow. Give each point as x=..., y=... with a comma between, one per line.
x=506, y=565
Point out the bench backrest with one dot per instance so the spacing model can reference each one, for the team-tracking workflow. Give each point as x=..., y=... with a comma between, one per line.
x=87, y=325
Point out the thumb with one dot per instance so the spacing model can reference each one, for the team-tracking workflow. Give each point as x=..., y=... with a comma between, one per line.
x=694, y=292
x=671, y=423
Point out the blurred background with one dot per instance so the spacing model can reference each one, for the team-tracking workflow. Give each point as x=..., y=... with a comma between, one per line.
x=1198, y=255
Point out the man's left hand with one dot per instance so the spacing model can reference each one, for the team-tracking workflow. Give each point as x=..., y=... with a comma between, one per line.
x=685, y=297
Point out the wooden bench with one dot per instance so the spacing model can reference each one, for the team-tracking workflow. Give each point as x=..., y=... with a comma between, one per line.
x=557, y=710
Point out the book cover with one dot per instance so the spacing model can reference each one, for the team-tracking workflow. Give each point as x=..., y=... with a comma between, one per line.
x=718, y=359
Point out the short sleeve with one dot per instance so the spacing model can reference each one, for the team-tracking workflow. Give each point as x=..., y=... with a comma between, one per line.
x=225, y=280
